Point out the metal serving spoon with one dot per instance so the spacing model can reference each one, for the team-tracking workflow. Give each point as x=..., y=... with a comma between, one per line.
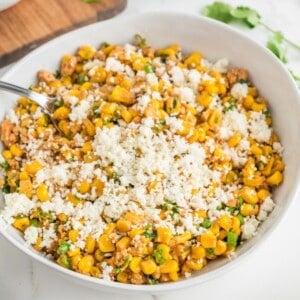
x=45, y=102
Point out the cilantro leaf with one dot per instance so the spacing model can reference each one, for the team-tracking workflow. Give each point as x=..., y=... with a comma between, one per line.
x=218, y=11
x=247, y=15
x=276, y=46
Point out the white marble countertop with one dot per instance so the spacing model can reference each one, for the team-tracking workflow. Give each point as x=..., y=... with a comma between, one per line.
x=272, y=271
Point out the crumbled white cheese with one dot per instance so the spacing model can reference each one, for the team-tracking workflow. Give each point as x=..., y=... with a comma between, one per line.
x=194, y=78
x=278, y=148
x=106, y=270
x=186, y=94
x=31, y=234
x=16, y=204
x=266, y=207
x=152, y=79
x=113, y=64
x=177, y=75
x=142, y=102
x=79, y=112
x=258, y=127
x=233, y=122
x=249, y=228
x=239, y=90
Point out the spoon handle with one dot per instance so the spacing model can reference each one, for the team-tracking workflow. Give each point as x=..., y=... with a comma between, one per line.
x=41, y=100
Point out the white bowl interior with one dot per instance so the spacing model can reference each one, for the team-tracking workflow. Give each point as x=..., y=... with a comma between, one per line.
x=215, y=41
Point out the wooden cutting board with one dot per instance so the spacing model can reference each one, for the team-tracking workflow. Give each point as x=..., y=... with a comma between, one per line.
x=30, y=23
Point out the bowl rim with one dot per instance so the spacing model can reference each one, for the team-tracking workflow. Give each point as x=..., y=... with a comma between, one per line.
x=185, y=282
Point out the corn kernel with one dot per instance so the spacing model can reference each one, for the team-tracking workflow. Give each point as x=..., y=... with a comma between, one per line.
x=16, y=150
x=123, y=225
x=90, y=244
x=164, y=235
x=105, y=244
x=21, y=223
x=85, y=264
x=42, y=192
x=208, y=240
x=275, y=179
x=123, y=243
x=135, y=264
x=169, y=266
x=148, y=266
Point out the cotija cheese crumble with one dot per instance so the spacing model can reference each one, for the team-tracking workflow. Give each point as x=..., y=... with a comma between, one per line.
x=167, y=161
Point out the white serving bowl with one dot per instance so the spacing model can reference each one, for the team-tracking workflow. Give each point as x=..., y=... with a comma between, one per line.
x=214, y=40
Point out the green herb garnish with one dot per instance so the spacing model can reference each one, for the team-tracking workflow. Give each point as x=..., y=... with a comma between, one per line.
x=149, y=233
x=57, y=103
x=34, y=222
x=275, y=44
x=116, y=177
x=232, y=239
x=95, y=110
x=158, y=255
x=64, y=247
x=250, y=18
x=152, y=280
x=57, y=74
x=80, y=79
x=230, y=106
x=149, y=68
x=140, y=41
x=4, y=166
x=64, y=261
x=206, y=223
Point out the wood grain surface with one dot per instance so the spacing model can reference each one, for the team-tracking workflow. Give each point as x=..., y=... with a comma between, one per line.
x=28, y=24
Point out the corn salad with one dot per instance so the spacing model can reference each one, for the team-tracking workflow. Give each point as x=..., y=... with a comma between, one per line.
x=167, y=161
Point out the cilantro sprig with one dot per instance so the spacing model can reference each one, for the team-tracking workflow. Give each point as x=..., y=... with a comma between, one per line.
x=249, y=17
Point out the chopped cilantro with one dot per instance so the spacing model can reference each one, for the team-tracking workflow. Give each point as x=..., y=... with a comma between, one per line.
x=149, y=68
x=140, y=41
x=57, y=103
x=267, y=113
x=206, y=223
x=149, y=233
x=64, y=261
x=232, y=239
x=116, y=177
x=158, y=255
x=34, y=222
x=230, y=106
x=57, y=74
x=152, y=280
x=95, y=110
x=175, y=102
x=104, y=45
x=210, y=251
x=80, y=79
x=165, y=206
x=63, y=248
x=241, y=218
x=4, y=165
